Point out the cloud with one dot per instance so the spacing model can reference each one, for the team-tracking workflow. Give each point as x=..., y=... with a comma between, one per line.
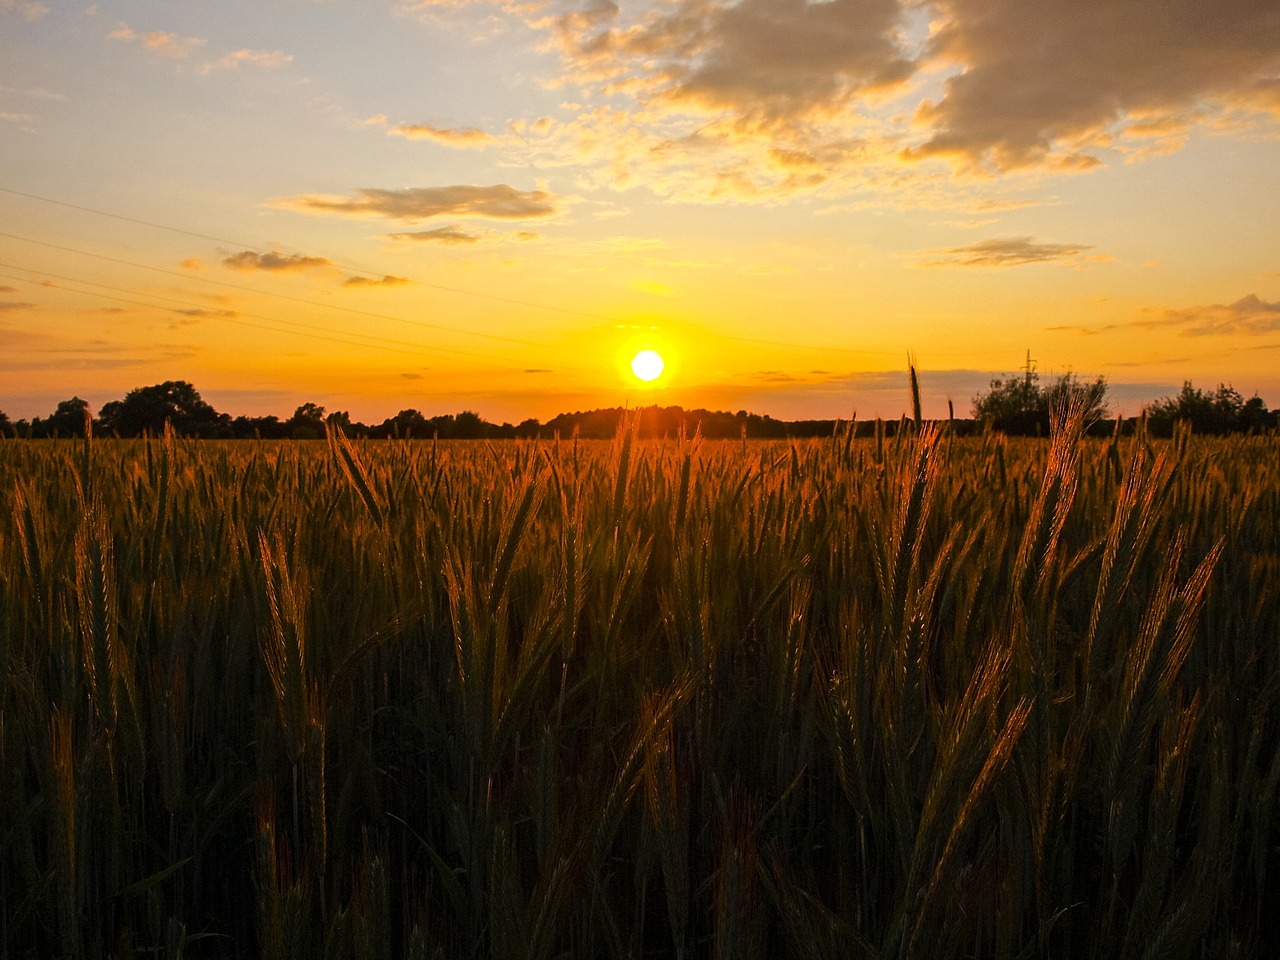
x=17, y=117
x=464, y=137
x=5, y=288
x=199, y=313
x=387, y=281
x=28, y=11
x=411, y=376
x=268, y=59
x=14, y=305
x=539, y=370
x=1008, y=252
x=1051, y=84
x=767, y=62
x=451, y=234
x=1249, y=315
x=497, y=202
x=167, y=44
x=273, y=261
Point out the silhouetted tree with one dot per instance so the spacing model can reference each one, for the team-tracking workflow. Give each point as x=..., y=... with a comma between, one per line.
x=68, y=420
x=5, y=426
x=469, y=426
x=1222, y=411
x=407, y=424
x=307, y=422
x=175, y=402
x=1020, y=405
x=269, y=427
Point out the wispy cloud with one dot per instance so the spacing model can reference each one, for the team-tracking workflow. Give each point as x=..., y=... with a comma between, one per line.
x=28, y=11
x=267, y=59
x=17, y=117
x=166, y=44
x=1007, y=252
x=1250, y=316
x=451, y=234
x=497, y=202
x=460, y=137
x=12, y=306
x=274, y=261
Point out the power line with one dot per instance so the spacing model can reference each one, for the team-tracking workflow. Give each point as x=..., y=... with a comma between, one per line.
x=790, y=345
x=354, y=269
x=304, y=330
x=268, y=293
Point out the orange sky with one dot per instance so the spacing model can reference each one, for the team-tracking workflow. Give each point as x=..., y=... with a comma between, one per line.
x=491, y=205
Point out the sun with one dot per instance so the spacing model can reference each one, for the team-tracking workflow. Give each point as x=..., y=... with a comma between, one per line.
x=647, y=365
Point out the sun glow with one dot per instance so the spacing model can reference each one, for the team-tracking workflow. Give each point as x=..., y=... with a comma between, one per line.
x=647, y=365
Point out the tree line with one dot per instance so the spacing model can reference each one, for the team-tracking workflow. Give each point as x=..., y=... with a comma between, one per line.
x=1022, y=405
x=1017, y=405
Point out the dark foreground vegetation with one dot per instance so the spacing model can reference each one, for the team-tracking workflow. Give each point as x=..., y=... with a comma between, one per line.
x=1018, y=406
x=920, y=696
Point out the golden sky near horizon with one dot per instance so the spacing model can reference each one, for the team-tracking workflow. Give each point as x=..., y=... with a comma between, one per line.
x=492, y=205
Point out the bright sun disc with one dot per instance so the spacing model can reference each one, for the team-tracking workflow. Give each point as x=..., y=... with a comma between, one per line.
x=647, y=365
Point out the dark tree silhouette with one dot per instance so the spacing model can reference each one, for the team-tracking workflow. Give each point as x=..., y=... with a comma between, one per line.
x=1020, y=405
x=307, y=422
x=1222, y=411
x=175, y=402
x=69, y=420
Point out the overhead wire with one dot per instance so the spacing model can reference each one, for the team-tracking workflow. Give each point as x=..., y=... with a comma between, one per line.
x=601, y=318
x=237, y=317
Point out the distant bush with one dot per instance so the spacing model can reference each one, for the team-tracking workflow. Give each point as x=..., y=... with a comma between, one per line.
x=1020, y=405
x=1222, y=411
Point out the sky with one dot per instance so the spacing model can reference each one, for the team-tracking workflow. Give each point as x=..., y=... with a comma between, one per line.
x=492, y=205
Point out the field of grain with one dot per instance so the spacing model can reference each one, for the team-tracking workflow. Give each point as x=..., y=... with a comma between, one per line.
x=920, y=697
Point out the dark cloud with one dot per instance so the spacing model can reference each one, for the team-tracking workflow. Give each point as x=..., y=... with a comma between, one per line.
x=274, y=262
x=198, y=313
x=387, y=281
x=6, y=305
x=1007, y=252
x=498, y=202
x=539, y=370
x=767, y=62
x=451, y=234
x=411, y=376
x=1053, y=82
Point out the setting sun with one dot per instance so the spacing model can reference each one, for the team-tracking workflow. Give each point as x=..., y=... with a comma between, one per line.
x=647, y=365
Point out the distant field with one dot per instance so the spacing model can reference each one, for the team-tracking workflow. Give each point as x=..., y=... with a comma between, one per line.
x=922, y=696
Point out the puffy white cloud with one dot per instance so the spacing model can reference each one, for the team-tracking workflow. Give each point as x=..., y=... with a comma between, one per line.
x=497, y=202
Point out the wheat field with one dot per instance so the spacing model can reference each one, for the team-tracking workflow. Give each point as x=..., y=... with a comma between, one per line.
x=918, y=696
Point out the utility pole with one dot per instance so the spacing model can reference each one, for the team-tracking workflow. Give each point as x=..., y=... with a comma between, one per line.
x=1030, y=367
